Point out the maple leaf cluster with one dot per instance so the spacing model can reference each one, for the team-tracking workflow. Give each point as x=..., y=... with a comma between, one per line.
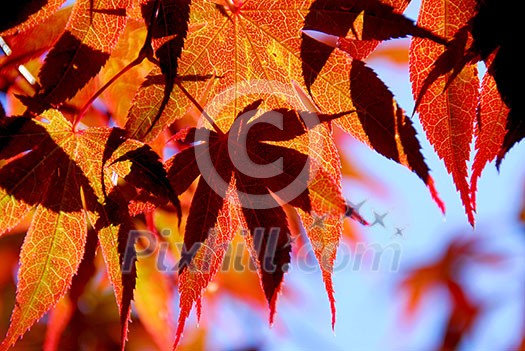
x=221, y=113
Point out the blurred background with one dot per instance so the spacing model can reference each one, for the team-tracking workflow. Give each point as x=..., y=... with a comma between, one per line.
x=413, y=280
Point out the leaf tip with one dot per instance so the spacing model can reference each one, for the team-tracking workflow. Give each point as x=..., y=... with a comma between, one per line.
x=331, y=297
x=273, y=305
x=435, y=195
x=180, y=329
x=352, y=213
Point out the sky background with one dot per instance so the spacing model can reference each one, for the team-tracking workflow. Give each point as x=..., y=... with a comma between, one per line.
x=369, y=302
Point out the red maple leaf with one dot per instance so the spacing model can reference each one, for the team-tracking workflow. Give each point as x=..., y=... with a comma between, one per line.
x=246, y=174
x=447, y=115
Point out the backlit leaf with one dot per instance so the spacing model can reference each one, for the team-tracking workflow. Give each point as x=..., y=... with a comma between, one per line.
x=490, y=130
x=252, y=208
x=494, y=30
x=264, y=52
x=62, y=313
x=206, y=263
x=447, y=115
x=36, y=41
x=21, y=15
x=359, y=26
x=168, y=32
x=67, y=175
x=86, y=44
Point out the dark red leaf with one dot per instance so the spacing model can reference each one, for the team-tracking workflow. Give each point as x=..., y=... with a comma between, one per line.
x=147, y=172
x=389, y=130
x=21, y=15
x=81, y=51
x=263, y=221
x=362, y=20
x=168, y=32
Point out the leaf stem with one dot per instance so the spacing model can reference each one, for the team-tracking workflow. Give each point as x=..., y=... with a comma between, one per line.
x=199, y=107
x=146, y=52
x=92, y=99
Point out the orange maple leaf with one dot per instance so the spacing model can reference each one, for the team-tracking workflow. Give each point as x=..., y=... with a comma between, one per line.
x=68, y=176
